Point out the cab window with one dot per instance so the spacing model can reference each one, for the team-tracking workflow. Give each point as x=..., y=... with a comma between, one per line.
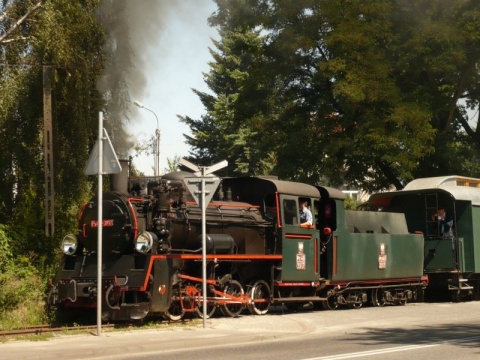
x=290, y=212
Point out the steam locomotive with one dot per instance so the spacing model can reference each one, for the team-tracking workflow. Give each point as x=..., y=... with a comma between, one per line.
x=257, y=253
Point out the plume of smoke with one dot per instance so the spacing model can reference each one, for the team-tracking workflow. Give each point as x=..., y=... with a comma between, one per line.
x=132, y=28
x=136, y=37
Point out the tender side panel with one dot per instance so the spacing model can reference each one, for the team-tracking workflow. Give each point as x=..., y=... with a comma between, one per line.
x=375, y=222
x=379, y=256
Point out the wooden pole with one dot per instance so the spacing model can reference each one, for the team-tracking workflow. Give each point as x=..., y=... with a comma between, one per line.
x=49, y=202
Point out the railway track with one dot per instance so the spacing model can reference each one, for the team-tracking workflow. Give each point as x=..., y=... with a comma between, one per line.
x=44, y=329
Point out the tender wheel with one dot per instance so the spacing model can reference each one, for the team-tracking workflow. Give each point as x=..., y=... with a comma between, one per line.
x=260, y=295
x=402, y=302
x=232, y=289
x=378, y=297
x=355, y=301
x=210, y=304
x=356, y=305
x=175, y=312
x=331, y=303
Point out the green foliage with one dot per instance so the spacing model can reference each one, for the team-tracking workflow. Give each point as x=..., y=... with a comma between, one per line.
x=172, y=164
x=22, y=282
x=352, y=204
x=5, y=250
x=372, y=93
x=234, y=125
x=22, y=295
x=67, y=37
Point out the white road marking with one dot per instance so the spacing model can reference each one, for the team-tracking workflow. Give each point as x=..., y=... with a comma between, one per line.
x=372, y=352
x=391, y=350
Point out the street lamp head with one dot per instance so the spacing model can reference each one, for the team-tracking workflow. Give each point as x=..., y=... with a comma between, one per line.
x=139, y=104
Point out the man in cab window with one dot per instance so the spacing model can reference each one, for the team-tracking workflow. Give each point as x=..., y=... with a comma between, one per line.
x=306, y=218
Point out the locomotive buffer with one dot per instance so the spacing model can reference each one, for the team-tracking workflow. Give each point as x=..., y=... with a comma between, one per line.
x=202, y=187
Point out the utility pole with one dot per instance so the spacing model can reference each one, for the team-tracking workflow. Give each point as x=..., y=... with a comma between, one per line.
x=49, y=202
x=103, y=160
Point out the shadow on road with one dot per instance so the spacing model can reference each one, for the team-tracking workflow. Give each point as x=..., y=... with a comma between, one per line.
x=460, y=335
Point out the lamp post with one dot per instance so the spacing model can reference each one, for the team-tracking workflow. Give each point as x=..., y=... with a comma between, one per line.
x=156, y=145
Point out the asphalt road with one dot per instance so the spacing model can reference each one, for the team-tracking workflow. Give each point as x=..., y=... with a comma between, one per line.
x=415, y=331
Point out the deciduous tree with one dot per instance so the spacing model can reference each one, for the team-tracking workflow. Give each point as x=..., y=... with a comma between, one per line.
x=67, y=36
x=372, y=93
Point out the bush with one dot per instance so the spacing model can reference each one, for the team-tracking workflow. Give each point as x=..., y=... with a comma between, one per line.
x=5, y=250
x=352, y=204
x=22, y=295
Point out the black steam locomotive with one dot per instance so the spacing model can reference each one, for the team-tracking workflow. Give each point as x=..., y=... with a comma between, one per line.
x=258, y=254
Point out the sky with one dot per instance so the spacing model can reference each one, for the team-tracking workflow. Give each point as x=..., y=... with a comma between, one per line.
x=177, y=56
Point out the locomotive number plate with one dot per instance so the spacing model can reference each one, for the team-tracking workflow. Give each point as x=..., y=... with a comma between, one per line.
x=105, y=223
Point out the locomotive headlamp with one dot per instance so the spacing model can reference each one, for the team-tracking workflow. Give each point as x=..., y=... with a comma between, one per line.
x=69, y=244
x=144, y=242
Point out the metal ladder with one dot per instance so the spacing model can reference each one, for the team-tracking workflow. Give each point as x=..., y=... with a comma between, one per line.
x=431, y=207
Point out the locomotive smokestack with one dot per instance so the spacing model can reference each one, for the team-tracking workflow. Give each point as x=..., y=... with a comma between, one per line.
x=119, y=182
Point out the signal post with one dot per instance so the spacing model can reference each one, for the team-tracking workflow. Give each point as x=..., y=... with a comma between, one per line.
x=202, y=187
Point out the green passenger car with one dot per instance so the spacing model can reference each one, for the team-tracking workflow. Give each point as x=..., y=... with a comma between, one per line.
x=447, y=210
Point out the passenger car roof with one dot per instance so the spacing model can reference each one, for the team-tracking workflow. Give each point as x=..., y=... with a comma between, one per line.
x=459, y=187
